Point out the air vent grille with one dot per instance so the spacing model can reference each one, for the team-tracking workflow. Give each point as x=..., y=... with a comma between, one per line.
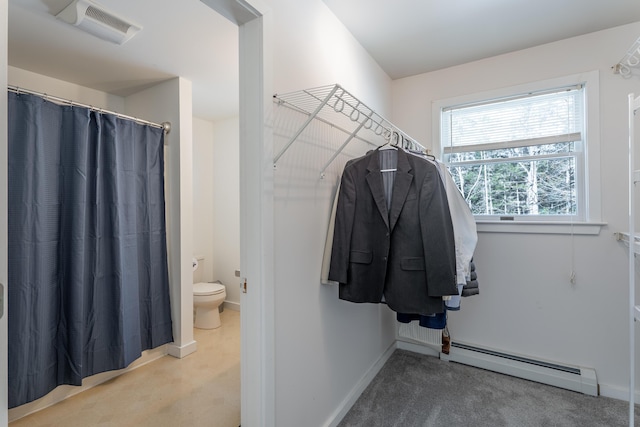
x=96, y=20
x=107, y=19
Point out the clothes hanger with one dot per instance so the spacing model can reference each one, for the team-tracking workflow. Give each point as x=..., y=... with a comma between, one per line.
x=389, y=145
x=417, y=149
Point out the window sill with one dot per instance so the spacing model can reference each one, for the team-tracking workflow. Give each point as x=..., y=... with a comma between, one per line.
x=539, y=227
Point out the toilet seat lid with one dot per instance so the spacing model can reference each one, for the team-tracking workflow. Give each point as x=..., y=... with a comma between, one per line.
x=207, y=288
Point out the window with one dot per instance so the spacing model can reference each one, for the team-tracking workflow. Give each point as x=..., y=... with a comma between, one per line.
x=521, y=155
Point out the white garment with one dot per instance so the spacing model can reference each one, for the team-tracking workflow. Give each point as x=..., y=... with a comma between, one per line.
x=328, y=245
x=464, y=231
x=464, y=225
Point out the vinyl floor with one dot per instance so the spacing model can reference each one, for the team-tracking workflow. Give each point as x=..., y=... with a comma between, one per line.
x=200, y=390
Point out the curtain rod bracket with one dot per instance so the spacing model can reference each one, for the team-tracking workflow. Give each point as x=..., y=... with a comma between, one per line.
x=167, y=127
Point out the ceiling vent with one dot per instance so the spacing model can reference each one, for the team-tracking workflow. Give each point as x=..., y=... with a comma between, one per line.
x=95, y=19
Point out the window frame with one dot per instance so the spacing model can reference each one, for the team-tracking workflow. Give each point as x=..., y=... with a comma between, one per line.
x=589, y=219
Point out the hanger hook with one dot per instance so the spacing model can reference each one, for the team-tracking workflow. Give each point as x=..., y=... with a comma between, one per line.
x=357, y=117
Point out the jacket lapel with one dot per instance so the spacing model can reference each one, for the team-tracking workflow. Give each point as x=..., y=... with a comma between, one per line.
x=401, y=186
x=374, y=179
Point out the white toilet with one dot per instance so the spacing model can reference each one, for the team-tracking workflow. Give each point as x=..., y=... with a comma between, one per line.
x=207, y=298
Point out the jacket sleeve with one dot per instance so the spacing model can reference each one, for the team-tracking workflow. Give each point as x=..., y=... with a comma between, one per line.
x=437, y=237
x=345, y=213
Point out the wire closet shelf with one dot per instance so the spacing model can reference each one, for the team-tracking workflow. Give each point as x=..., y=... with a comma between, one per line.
x=629, y=65
x=336, y=106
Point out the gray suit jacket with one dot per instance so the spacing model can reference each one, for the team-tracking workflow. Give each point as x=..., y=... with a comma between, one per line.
x=406, y=252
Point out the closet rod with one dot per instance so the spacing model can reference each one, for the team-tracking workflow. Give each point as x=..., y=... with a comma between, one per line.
x=166, y=126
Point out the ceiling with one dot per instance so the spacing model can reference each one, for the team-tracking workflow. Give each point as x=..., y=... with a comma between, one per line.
x=186, y=38
x=179, y=38
x=408, y=37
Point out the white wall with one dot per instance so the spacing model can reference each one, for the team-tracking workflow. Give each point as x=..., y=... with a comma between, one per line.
x=226, y=207
x=216, y=205
x=313, y=48
x=527, y=304
x=203, y=203
x=67, y=90
x=323, y=346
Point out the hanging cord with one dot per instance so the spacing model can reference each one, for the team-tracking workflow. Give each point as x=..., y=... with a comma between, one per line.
x=166, y=126
x=572, y=272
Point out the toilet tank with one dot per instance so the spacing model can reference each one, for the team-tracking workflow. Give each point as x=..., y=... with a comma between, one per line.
x=197, y=272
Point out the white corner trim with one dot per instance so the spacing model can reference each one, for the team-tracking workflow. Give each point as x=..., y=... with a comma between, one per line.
x=355, y=393
x=588, y=382
x=182, y=351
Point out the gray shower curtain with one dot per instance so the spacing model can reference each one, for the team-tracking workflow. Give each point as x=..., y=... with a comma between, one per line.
x=88, y=283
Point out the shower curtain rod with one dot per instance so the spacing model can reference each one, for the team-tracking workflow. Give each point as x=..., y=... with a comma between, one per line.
x=166, y=126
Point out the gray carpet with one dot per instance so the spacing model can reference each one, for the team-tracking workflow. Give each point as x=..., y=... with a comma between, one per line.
x=414, y=390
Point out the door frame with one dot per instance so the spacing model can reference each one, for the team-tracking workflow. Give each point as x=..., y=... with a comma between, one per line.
x=4, y=213
x=257, y=363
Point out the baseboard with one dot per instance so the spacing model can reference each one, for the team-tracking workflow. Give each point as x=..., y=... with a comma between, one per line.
x=235, y=306
x=576, y=378
x=355, y=393
x=615, y=392
x=63, y=392
x=181, y=351
x=619, y=393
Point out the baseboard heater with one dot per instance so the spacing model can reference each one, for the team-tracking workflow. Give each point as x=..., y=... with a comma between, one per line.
x=569, y=377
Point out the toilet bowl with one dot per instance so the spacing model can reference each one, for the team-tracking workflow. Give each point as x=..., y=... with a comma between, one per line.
x=207, y=298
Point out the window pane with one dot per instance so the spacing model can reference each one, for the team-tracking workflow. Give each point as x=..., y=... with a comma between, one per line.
x=534, y=187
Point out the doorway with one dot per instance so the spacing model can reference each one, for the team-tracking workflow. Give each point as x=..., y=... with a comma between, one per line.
x=256, y=213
